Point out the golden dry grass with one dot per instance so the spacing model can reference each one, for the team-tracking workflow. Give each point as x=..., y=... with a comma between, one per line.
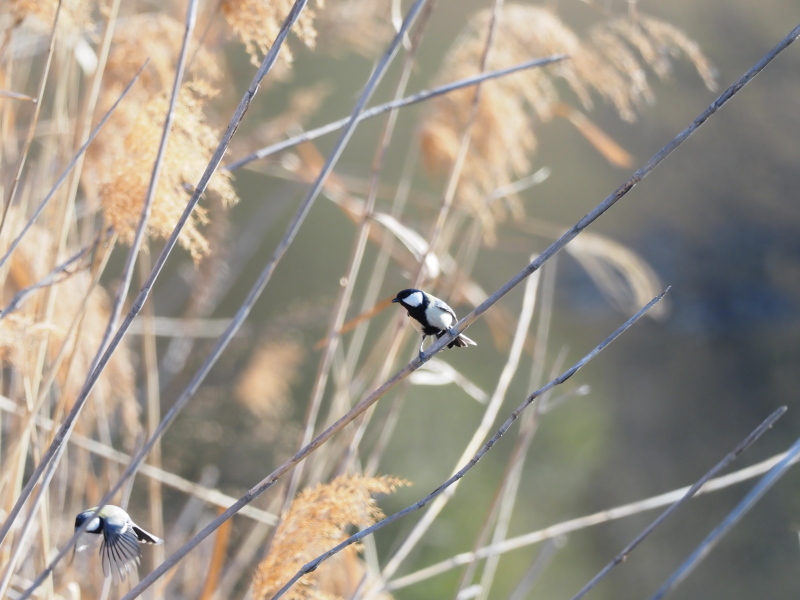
x=23, y=331
x=74, y=13
x=190, y=145
x=257, y=22
x=503, y=135
x=316, y=521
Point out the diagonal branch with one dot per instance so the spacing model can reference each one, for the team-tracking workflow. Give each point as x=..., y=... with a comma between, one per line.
x=728, y=459
x=753, y=496
x=375, y=111
x=63, y=271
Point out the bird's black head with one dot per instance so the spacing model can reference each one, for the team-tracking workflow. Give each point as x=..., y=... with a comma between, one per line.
x=409, y=298
x=85, y=516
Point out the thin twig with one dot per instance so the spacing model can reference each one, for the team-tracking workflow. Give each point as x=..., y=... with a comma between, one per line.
x=538, y=566
x=62, y=178
x=34, y=121
x=465, y=143
x=707, y=545
x=311, y=566
x=388, y=106
x=729, y=458
x=61, y=273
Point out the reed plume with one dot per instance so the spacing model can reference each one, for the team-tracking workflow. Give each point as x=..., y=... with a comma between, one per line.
x=190, y=145
x=316, y=521
x=611, y=65
x=257, y=22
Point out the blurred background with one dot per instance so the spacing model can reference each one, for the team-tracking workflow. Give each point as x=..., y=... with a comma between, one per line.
x=718, y=221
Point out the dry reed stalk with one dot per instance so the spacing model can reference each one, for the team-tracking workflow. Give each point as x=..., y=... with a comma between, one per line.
x=221, y=541
x=610, y=64
x=153, y=412
x=317, y=519
x=191, y=142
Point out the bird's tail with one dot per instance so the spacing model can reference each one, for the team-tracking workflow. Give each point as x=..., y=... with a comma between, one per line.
x=461, y=341
x=144, y=536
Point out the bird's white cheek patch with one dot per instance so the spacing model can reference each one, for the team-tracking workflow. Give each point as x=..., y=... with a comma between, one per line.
x=414, y=299
x=94, y=524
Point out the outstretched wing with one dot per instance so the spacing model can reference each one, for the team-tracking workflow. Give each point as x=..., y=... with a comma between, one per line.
x=119, y=551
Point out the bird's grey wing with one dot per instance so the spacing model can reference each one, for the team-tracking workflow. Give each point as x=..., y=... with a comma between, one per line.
x=119, y=551
x=442, y=305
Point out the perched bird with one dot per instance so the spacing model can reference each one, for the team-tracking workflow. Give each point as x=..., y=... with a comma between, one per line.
x=431, y=316
x=121, y=538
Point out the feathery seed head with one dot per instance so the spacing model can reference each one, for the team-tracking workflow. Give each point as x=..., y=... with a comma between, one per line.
x=315, y=522
x=191, y=143
x=611, y=65
x=257, y=23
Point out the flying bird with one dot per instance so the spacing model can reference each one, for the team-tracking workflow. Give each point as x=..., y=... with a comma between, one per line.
x=119, y=549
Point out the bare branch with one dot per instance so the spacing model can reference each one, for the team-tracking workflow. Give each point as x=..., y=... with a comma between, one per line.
x=389, y=106
x=60, y=273
x=728, y=459
x=753, y=496
x=577, y=524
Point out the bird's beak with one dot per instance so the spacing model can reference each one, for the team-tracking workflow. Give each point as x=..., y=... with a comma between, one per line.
x=395, y=299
